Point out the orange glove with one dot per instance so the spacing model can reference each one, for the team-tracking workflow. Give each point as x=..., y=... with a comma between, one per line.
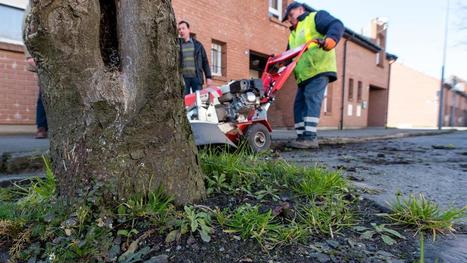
x=327, y=44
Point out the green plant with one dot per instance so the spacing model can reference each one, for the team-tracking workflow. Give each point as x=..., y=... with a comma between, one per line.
x=288, y=233
x=386, y=234
x=191, y=220
x=327, y=216
x=217, y=183
x=422, y=248
x=155, y=205
x=40, y=191
x=250, y=223
x=6, y=194
x=424, y=215
x=319, y=182
x=268, y=191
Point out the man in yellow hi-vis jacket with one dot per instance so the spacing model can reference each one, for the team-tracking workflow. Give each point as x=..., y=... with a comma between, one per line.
x=316, y=68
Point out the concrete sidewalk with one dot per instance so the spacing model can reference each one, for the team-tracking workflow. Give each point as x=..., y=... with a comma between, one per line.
x=333, y=137
x=27, y=144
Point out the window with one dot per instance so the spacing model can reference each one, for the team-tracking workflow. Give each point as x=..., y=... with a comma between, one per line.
x=11, y=20
x=350, y=98
x=380, y=55
x=327, y=101
x=275, y=8
x=359, y=91
x=218, y=59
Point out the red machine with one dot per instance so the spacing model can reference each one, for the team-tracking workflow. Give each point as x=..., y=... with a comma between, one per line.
x=237, y=111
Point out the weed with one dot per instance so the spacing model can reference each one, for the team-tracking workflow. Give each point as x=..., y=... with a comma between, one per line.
x=217, y=183
x=40, y=191
x=318, y=182
x=156, y=205
x=191, y=220
x=386, y=234
x=328, y=216
x=250, y=223
x=10, y=229
x=424, y=215
x=268, y=191
x=422, y=248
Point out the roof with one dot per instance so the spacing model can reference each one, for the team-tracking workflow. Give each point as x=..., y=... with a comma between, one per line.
x=20, y=4
x=453, y=89
x=390, y=56
x=361, y=40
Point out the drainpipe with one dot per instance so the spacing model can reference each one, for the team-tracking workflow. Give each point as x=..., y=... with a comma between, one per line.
x=344, y=71
x=387, y=97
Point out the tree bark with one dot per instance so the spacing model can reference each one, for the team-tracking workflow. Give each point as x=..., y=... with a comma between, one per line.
x=112, y=90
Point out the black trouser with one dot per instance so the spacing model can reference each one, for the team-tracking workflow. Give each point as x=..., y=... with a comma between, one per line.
x=41, y=118
x=191, y=85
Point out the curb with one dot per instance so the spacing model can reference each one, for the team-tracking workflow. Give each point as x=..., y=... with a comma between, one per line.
x=351, y=140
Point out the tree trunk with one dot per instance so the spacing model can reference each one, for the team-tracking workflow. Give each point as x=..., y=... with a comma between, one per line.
x=113, y=97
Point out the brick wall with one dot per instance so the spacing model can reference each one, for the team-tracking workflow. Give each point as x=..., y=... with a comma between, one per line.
x=455, y=108
x=18, y=87
x=245, y=26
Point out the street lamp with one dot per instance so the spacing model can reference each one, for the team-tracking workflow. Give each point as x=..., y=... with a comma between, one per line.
x=441, y=90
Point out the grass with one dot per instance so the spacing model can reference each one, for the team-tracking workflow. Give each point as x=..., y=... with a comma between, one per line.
x=318, y=182
x=327, y=216
x=316, y=203
x=249, y=222
x=424, y=215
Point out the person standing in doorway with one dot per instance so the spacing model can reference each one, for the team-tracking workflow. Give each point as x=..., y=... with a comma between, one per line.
x=193, y=60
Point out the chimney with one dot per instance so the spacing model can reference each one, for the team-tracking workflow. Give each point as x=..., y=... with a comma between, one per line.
x=379, y=30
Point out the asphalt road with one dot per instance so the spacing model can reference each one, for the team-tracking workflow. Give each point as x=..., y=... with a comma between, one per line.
x=408, y=166
x=433, y=165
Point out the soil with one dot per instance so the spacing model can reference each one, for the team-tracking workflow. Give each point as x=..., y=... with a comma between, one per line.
x=347, y=246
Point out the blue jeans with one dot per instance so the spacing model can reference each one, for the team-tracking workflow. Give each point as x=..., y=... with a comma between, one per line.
x=307, y=107
x=191, y=85
x=41, y=118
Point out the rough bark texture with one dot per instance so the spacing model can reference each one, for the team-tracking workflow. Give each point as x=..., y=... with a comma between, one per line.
x=113, y=96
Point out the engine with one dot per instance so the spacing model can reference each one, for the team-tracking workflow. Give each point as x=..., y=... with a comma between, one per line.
x=238, y=99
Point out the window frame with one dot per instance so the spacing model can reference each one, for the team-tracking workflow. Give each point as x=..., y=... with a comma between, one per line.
x=216, y=66
x=277, y=13
x=350, y=92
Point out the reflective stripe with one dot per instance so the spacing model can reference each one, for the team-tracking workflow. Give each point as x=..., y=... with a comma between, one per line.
x=311, y=119
x=300, y=124
x=310, y=129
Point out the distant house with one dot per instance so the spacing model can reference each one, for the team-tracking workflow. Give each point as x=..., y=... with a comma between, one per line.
x=455, y=103
x=413, y=98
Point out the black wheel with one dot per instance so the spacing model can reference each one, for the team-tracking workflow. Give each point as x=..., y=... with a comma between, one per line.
x=258, y=137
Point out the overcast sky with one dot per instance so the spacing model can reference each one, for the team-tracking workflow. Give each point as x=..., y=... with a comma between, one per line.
x=416, y=29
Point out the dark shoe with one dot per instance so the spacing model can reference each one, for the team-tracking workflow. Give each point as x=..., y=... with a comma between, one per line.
x=41, y=133
x=304, y=144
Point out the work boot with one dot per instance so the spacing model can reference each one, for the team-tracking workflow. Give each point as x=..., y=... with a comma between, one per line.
x=41, y=133
x=304, y=144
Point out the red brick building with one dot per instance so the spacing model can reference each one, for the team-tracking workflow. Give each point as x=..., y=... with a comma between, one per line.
x=18, y=87
x=455, y=104
x=238, y=34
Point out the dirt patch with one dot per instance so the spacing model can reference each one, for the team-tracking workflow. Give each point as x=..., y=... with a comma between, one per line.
x=347, y=246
